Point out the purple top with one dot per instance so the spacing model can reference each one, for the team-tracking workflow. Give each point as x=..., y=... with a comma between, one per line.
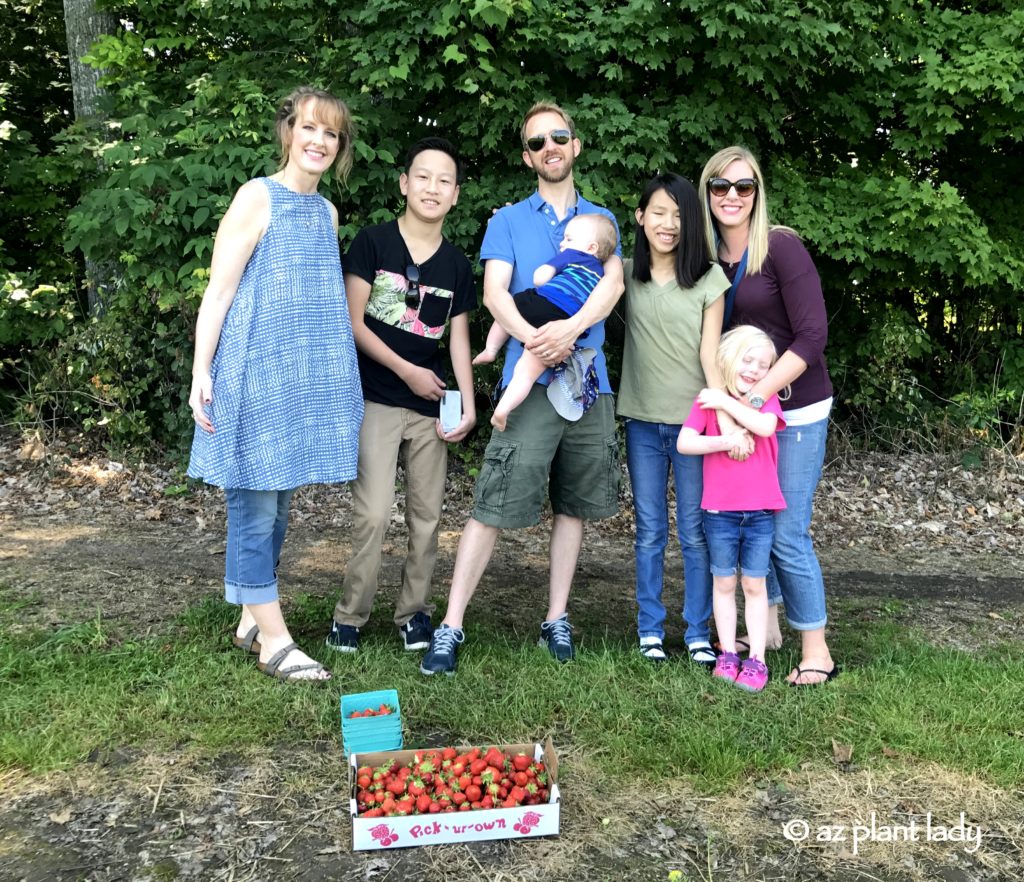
x=785, y=301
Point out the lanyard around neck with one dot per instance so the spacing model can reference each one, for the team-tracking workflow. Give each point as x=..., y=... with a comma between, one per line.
x=730, y=298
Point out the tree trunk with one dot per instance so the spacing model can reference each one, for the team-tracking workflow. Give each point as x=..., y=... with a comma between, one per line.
x=84, y=24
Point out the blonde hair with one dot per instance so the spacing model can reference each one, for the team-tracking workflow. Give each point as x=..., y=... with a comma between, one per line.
x=603, y=232
x=760, y=226
x=733, y=346
x=545, y=107
x=328, y=110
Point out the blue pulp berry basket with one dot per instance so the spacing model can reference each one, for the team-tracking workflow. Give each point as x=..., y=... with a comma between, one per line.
x=370, y=734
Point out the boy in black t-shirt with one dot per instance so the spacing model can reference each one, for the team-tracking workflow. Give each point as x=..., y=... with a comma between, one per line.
x=405, y=284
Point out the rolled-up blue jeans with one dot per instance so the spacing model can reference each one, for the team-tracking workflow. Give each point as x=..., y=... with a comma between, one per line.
x=795, y=578
x=650, y=452
x=257, y=522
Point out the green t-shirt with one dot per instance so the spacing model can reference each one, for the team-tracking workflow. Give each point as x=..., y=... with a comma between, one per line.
x=661, y=369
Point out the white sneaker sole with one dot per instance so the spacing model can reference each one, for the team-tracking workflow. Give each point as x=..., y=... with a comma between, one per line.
x=337, y=648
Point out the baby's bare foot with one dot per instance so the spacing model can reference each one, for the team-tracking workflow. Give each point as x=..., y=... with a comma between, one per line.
x=485, y=357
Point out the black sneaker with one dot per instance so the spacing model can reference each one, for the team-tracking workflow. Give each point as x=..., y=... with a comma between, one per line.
x=416, y=632
x=343, y=638
x=556, y=637
x=444, y=644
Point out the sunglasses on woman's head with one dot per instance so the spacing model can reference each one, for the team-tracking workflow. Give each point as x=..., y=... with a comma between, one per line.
x=558, y=136
x=412, y=292
x=744, y=187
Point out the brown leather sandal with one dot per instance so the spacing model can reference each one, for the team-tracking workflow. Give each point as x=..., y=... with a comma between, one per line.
x=272, y=668
x=250, y=642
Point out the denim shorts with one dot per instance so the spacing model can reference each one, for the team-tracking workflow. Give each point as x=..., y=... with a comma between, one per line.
x=743, y=537
x=540, y=453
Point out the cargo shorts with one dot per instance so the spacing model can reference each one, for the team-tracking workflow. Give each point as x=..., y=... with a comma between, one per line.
x=541, y=453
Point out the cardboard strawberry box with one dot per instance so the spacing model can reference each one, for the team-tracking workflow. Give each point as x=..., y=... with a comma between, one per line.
x=404, y=831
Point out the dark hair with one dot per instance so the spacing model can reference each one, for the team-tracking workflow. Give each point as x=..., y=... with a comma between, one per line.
x=691, y=255
x=434, y=143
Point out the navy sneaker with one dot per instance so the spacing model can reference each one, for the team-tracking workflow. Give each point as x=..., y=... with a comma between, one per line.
x=343, y=638
x=416, y=632
x=556, y=638
x=444, y=644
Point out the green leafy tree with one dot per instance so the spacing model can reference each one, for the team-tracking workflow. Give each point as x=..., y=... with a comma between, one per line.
x=889, y=135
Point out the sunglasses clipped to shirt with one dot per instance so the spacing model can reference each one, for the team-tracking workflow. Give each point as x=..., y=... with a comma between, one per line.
x=721, y=186
x=558, y=136
x=412, y=292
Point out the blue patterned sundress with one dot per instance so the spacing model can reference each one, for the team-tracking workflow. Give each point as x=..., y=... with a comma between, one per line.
x=287, y=403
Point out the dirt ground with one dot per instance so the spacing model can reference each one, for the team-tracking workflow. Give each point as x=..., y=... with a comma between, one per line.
x=937, y=538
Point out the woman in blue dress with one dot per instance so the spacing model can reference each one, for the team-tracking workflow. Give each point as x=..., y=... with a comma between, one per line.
x=275, y=387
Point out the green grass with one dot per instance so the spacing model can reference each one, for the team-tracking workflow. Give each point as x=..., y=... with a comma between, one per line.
x=67, y=693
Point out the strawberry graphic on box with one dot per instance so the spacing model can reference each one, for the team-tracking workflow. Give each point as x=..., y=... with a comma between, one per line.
x=526, y=823
x=384, y=834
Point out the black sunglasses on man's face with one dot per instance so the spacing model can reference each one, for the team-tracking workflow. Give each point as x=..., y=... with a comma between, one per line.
x=558, y=136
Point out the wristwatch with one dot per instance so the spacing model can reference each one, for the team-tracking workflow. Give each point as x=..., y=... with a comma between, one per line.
x=755, y=401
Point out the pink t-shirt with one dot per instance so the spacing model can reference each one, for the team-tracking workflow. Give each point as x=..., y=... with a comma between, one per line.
x=750, y=485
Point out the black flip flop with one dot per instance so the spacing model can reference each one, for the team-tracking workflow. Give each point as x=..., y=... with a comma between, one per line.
x=829, y=675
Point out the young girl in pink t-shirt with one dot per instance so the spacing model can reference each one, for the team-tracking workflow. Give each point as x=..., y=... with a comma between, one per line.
x=740, y=497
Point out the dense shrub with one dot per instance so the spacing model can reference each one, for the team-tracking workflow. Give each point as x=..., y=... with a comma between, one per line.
x=890, y=135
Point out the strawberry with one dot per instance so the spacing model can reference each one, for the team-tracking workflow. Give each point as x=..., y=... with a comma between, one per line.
x=449, y=753
x=477, y=766
x=518, y=794
x=396, y=786
x=520, y=779
x=495, y=757
x=423, y=803
x=473, y=793
x=521, y=762
x=415, y=786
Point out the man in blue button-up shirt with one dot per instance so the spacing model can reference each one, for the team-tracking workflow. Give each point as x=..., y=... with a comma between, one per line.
x=580, y=459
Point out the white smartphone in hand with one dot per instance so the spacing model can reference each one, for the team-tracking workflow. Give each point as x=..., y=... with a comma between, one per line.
x=451, y=411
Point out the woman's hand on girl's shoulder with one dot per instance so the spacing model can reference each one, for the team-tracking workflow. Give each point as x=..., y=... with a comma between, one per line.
x=712, y=399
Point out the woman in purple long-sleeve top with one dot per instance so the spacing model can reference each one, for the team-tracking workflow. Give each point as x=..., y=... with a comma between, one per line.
x=779, y=291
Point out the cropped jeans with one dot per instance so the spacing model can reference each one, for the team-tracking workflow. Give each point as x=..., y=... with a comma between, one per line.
x=650, y=452
x=795, y=577
x=257, y=522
